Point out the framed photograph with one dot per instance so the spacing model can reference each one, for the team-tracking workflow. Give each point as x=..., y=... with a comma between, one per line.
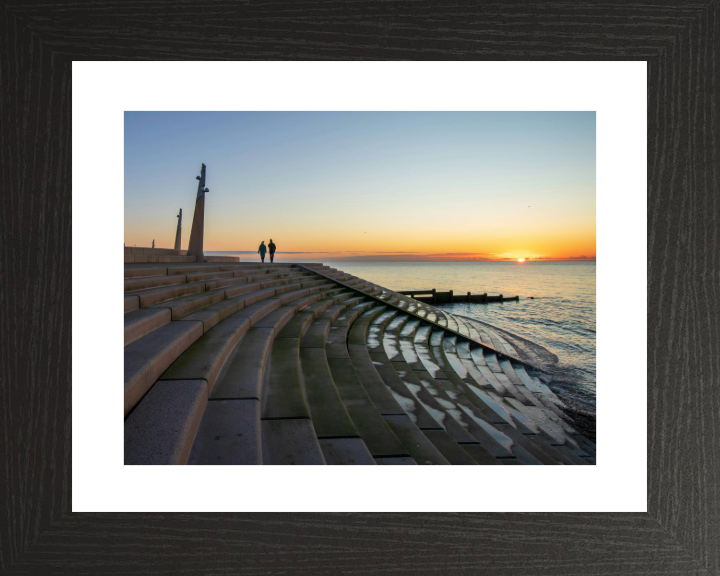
x=646, y=505
x=380, y=324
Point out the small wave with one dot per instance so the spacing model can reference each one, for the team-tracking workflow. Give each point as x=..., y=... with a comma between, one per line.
x=571, y=397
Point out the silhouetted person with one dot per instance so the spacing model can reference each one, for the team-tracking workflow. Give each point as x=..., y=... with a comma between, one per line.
x=262, y=250
x=271, y=247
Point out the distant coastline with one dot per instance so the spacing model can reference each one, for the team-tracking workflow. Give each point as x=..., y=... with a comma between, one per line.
x=329, y=257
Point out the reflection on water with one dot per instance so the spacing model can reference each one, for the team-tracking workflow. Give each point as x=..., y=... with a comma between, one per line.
x=560, y=318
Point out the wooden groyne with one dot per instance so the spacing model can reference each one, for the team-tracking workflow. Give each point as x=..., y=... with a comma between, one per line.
x=450, y=297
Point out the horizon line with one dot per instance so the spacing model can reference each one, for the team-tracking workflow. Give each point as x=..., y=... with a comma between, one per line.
x=405, y=258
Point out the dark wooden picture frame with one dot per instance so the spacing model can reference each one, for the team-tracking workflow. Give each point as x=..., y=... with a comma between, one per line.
x=680, y=533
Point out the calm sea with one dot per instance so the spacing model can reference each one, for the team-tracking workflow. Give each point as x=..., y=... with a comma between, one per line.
x=555, y=329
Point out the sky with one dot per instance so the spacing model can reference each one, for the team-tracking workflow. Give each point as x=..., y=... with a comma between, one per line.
x=367, y=185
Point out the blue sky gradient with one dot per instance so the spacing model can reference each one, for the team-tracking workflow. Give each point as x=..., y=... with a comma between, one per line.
x=494, y=183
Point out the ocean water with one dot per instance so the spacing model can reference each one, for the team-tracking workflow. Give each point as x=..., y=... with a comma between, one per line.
x=555, y=329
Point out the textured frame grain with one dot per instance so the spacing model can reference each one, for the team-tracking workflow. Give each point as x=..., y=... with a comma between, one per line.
x=678, y=535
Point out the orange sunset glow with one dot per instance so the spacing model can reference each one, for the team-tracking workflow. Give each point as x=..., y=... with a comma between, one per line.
x=368, y=186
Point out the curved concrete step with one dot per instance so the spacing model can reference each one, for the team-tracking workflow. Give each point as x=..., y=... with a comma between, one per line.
x=407, y=331
x=317, y=332
x=239, y=367
x=161, y=295
x=487, y=364
x=204, y=276
x=346, y=451
x=133, y=284
x=544, y=394
x=290, y=442
x=184, y=305
x=206, y=357
x=162, y=428
x=360, y=328
x=388, y=399
x=364, y=367
x=504, y=416
x=521, y=437
x=512, y=374
x=143, y=321
x=437, y=360
x=377, y=435
x=482, y=377
x=416, y=410
x=420, y=412
x=375, y=330
x=214, y=313
x=587, y=445
x=493, y=443
x=228, y=433
x=192, y=268
x=394, y=461
x=451, y=450
x=148, y=357
x=131, y=303
x=283, y=395
x=281, y=365
x=142, y=271
x=391, y=336
x=334, y=428
x=482, y=374
x=329, y=415
x=336, y=342
x=418, y=445
x=372, y=427
x=520, y=397
x=151, y=296
x=462, y=327
x=547, y=392
x=425, y=351
x=451, y=322
x=496, y=341
x=246, y=369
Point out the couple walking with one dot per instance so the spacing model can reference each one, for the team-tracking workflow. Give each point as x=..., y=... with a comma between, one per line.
x=264, y=248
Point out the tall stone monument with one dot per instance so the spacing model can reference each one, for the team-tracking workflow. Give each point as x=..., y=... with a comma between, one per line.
x=195, y=248
x=178, y=234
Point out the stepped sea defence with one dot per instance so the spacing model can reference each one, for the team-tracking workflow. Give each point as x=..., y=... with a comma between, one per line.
x=248, y=363
x=238, y=363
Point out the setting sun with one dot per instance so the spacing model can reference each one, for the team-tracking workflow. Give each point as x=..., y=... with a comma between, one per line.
x=521, y=259
x=398, y=160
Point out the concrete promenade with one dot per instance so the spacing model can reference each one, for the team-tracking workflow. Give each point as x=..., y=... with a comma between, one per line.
x=230, y=362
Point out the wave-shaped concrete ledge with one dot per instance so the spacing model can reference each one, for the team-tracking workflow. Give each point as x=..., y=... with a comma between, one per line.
x=248, y=363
